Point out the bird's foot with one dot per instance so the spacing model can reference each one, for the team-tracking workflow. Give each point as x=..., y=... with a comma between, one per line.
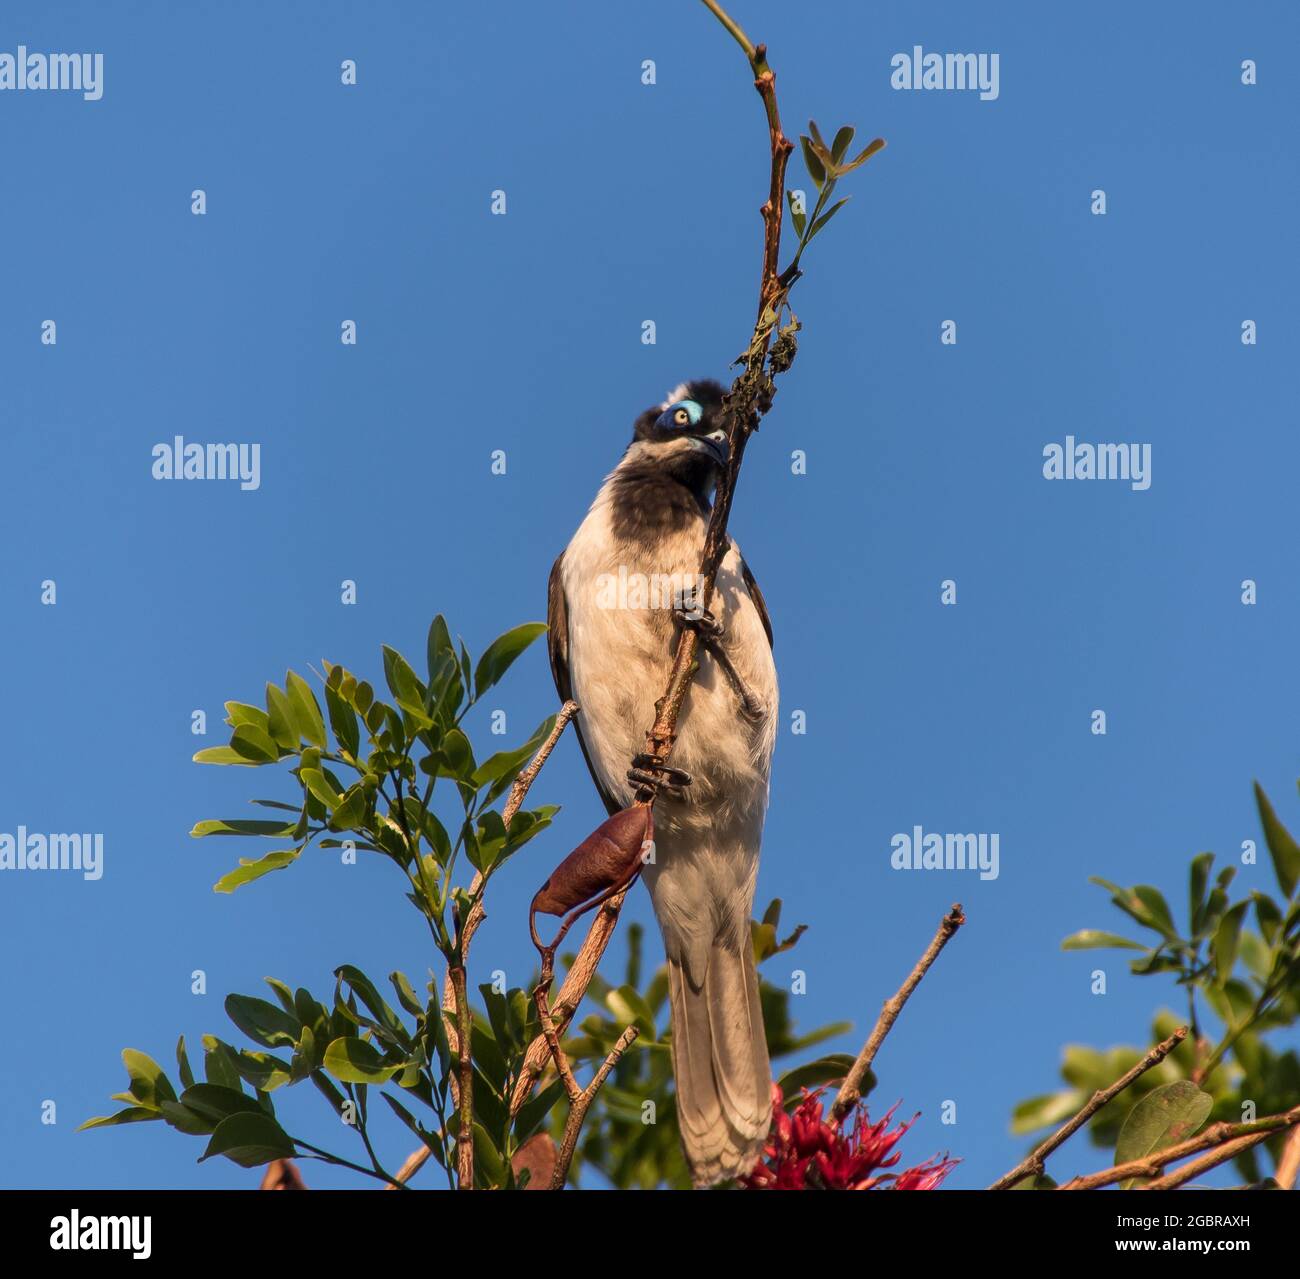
x=650, y=775
x=710, y=632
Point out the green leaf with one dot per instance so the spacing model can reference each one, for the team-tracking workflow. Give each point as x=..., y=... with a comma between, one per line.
x=840, y=146
x=306, y=709
x=351, y=812
x=374, y=1001
x=1269, y=917
x=250, y=1140
x=827, y=216
x=264, y=1023
x=353, y=1061
x=314, y=780
x=501, y=654
x=406, y=995
x=1164, y=1117
x=219, y=1062
x=343, y=720
x=149, y=1085
x=534, y=1111
x=438, y=647
x=241, y=826
x=183, y=1067
x=798, y=216
x=281, y=723
x=876, y=144
x=248, y=870
x=253, y=745
x=1226, y=939
x=1198, y=881
x=215, y=1102
x=502, y=768
x=1281, y=846
x=241, y=713
x=224, y=755
x=824, y=1070
x=816, y=170
x=1158, y=908
x=1039, y=1112
x=628, y=1007
x=403, y=682
x=1095, y=939
x=131, y=1115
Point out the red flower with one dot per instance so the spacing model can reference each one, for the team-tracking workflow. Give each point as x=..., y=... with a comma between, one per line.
x=806, y=1152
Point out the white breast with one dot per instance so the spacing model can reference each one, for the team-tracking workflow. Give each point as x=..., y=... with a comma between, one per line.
x=621, y=639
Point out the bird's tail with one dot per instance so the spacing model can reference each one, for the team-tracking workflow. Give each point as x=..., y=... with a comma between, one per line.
x=724, y=1081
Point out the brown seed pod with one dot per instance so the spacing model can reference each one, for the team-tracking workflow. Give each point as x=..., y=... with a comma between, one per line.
x=606, y=861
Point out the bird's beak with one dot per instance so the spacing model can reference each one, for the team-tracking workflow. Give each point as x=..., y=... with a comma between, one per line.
x=715, y=445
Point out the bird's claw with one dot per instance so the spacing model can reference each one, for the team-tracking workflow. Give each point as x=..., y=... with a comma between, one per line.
x=649, y=774
x=710, y=631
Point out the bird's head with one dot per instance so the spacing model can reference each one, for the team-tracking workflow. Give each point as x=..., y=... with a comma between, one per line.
x=686, y=434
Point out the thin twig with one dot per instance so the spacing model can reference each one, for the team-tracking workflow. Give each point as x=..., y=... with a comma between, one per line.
x=518, y=792
x=582, y=1103
x=1035, y=1163
x=1215, y=1135
x=1289, y=1165
x=851, y=1089
x=465, y=1092
x=1219, y=1155
x=572, y=992
x=748, y=399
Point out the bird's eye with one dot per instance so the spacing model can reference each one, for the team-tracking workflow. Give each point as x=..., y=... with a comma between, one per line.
x=683, y=414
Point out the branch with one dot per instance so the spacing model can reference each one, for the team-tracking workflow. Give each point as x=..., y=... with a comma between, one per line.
x=465, y=1092
x=418, y=1158
x=572, y=992
x=851, y=1089
x=582, y=1103
x=1219, y=1155
x=1215, y=1135
x=749, y=398
x=1034, y=1165
x=1289, y=1165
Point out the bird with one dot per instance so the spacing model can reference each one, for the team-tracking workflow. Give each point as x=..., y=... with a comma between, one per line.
x=618, y=597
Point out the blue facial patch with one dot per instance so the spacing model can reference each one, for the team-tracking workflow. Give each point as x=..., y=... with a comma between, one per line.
x=683, y=414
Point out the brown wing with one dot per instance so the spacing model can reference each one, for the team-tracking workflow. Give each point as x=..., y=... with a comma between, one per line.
x=759, y=602
x=557, y=643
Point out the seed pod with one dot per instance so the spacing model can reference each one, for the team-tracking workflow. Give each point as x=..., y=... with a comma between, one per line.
x=604, y=862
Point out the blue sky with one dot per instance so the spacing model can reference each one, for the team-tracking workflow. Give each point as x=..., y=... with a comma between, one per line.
x=629, y=202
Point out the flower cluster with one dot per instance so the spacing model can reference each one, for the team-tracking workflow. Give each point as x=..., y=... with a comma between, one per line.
x=805, y=1151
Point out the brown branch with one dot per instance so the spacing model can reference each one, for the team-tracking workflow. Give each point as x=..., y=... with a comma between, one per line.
x=572, y=991
x=1289, y=1165
x=582, y=1103
x=580, y=1098
x=517, y=794
x=851, y=1089
x=748, y=399
x=465, y=1092
x=1034, y=1165
x=1219, y=1155
x=1215, y=1135
x=282, y=1174
x=418, y=1158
